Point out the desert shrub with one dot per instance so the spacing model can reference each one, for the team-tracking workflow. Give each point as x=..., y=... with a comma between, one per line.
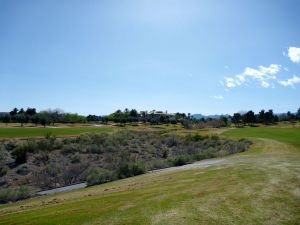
x=23, y=170
x=194, y=137
x=69, y=149
x=20, y=154
x=158, y=164
x=234, y=147
x=203, y=155
x=245, y=141
x=58, y=144
x=98, y=176
x=10, y=145
x=165, y=154
x=215, y=137
x=180, y=160
x=131, y=169
x=31, y=146
x=75, y=158
x=3, y=167
x=14, y=194
x=84, y=139
x=94, y=149
x=66, y=141
x=171, y=141
x=44, y=145
x=42, y=157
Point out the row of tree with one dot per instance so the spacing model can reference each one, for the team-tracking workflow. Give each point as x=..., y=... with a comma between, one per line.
x=47, y=117
x=263, y=117
x=50, y=117
x=129, y=116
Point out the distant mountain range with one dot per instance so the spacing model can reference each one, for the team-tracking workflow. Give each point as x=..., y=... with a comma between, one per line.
x=200, y=116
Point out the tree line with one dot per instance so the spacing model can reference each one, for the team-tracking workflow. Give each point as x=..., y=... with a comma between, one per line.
x=51, y=117
x=44, y=118
x=263, y=117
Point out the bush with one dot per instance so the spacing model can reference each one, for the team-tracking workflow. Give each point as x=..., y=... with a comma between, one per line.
x=158, y=164
x=215, y=137
x=12, y=194
x=180, y=160
x=203, y=155
x=42, y=157
x=44, y=145
x=32, y=146
x=131, y=169
x=69, y=149
x=98, y=176
x=75, y=158
x=20, y=154
x=10, y=145
x=3, y=167
x=171, y=141
x=23, y=170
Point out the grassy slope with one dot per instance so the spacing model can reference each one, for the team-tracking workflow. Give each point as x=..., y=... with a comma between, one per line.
x=289, y=135
x=261, y=186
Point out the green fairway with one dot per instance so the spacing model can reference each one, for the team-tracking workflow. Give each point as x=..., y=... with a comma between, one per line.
x=254, y=187
x=40, y=132
x=288, y=135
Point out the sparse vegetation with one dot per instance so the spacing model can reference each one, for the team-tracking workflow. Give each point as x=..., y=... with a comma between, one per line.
x=13, y=194
x=98, y=158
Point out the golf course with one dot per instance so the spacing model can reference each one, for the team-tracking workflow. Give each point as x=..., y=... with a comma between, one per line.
x=258, y=186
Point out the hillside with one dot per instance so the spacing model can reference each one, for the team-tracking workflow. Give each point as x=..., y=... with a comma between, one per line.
x=260, y=186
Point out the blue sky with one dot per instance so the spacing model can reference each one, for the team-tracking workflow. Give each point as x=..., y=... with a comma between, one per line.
x=208, y=56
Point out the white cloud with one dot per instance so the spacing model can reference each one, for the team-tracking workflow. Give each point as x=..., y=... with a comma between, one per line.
x=264, y=75
x=294, y=54
x=219, y=97
x=265, y=84
x=290, y=82
x=230, y=82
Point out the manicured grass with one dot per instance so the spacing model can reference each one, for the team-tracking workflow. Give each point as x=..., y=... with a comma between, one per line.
x=15, y=131
x=40, y=132
x=288, y=135
x=254, y=187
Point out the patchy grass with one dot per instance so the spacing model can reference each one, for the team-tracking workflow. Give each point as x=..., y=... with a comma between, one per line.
x=260, y=186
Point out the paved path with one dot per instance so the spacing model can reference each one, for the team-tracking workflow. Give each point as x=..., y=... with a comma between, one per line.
x=62, y=189
x=203, y=163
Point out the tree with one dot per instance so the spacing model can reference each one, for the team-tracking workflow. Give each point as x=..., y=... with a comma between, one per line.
x=14, y=112
x=133, y=113
x=44, y=120
x=21, y=111
x=250, y=118
x=30, y=111
x=298, y=114
x=21, y=118
x=236, y=119
x=6, y=119
x=224, y=119
x=269, y=117
x=261, y=116
x=35, y=119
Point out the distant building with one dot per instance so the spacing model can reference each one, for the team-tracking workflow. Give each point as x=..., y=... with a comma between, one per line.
x=156, y=112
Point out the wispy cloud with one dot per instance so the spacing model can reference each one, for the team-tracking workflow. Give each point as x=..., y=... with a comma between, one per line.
x=264, y=75
x=218, y=97
x=294, y=54
x=290, y=82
